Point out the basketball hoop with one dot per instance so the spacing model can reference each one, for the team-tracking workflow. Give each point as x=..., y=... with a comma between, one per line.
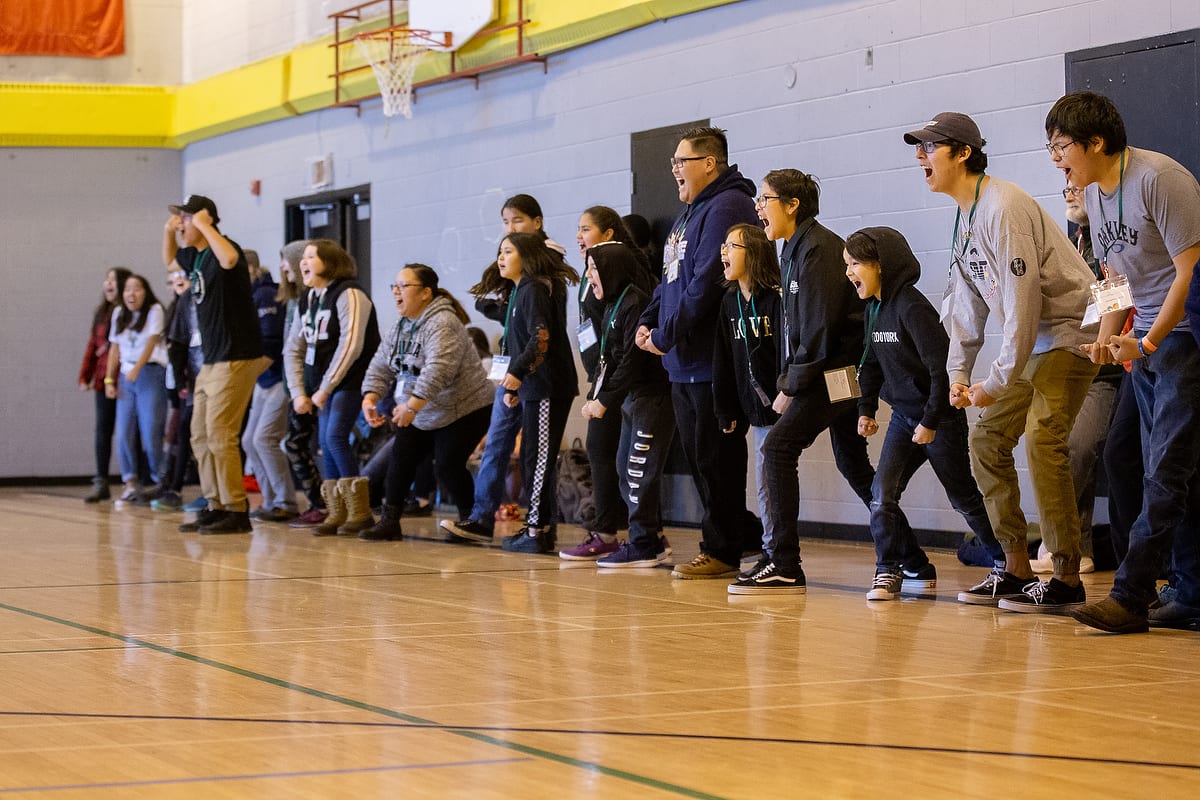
x=394, y=55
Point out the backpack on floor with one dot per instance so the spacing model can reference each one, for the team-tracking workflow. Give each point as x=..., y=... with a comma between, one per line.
x=575, y=503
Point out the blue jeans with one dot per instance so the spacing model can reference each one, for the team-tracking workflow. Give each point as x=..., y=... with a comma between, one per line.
x=947, y=454
x=334, y=424
x=502, y=432
x=1167, y=385
x=142, y=413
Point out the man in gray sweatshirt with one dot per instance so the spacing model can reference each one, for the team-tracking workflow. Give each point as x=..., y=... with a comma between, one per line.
x=1011, y=260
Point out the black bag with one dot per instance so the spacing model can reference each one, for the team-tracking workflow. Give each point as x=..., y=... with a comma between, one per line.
x=575, y=503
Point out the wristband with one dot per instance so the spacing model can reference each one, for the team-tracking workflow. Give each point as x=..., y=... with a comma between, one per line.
x=109, y=380
x=1146, y=346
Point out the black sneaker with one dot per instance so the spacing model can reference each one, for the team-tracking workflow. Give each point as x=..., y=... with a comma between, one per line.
x=467, y=529
x=886, y=586
x=230, y=522
x=997, y=586
x=758, y=565
x=537, y=541
x=1046, y=597
x=413, y=508
x=206, y=517
x=770, y=580
x=920, y=580
x=1175, y=615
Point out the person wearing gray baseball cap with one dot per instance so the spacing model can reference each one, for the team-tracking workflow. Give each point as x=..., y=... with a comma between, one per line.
x=233, y=357
x=1010, y=259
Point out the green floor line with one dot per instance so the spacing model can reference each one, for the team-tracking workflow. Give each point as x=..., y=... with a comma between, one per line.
x=641, y=780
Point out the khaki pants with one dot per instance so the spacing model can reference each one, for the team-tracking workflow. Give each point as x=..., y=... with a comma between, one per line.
x=221, y=397
x=1041, y=405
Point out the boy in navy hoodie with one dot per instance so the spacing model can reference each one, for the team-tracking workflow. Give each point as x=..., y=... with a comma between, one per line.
x=904, y=361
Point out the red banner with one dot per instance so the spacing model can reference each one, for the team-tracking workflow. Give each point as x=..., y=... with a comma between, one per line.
x=94, y=28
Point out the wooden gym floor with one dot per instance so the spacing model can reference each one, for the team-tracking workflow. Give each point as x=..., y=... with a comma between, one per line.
x=138, y=662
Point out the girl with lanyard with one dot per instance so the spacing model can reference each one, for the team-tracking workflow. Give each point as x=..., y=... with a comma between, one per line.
x=326, y=354
x=538, y=375
x=520, y=213
x=605, y=434
x=630, y=385
x=443, y=397
x=904, y=361
x=749, y=342
x=91, y=376
x=137, y=379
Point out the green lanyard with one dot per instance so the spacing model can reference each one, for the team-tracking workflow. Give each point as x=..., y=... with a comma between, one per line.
x=612, y=318
x=1120, y=216
x=970, y=222
x=507, y=319
x=742, y=321
x=873, y=307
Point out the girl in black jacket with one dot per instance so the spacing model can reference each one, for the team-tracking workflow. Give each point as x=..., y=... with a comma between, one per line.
x=749, y=343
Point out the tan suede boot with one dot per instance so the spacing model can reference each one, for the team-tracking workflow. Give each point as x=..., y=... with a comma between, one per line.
x=357, y=494
x=335, y=504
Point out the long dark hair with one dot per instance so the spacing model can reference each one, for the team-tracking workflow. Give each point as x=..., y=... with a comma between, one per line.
x=540, y=263
x=103, y=312
x=607, y=219
x=528, y=205
x=427, y=276
x=762, y=263
x=136, y=321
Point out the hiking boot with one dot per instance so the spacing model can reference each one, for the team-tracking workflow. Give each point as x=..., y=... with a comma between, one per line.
x=206, y=517
x=703, y=567
x=100, y=491
x=529, y=540
x=311, y=518
x=357, y=495
x=591, y=548
x=1046, y=597
x=230, y=522
x=627, y=556
x=335, y=509
x=997, y=586
x=771, y=579
x=387, y=529
x=886, y=586
x=920, y=580
x=467, y=529
x=1175, y=615
x=1110, y=616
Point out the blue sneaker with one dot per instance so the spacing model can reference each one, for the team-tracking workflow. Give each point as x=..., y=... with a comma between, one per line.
x=529, y=540
x=199, y=504
x=628, y=556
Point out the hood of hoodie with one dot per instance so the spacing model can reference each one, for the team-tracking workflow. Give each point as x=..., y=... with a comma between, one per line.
x=617, y=267
x=729, y=179
x=898, y=267
x=439, y=305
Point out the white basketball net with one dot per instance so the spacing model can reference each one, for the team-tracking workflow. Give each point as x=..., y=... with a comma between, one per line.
x=393, y=58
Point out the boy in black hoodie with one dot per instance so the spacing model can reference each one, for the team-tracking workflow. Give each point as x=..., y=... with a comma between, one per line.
x=904, y=360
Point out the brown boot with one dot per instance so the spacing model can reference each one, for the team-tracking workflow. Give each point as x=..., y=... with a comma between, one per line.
x=335, y=505
x=357, y=493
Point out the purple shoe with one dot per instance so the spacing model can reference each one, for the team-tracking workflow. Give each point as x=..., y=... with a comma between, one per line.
x=590, y=549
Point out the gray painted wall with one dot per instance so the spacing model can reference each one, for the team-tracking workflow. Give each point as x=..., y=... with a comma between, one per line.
x=66, y=216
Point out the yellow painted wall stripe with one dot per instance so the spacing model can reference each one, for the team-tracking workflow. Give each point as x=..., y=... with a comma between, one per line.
x=101, y=115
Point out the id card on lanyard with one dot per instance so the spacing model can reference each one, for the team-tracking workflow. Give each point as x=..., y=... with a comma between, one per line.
x=500, y=363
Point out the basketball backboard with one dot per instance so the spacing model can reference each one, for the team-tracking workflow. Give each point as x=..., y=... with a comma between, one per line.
x=462, y=18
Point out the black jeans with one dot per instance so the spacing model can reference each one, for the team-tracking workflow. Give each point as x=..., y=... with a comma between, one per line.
x=450, y=447
x=604, y=441
x=1123, y=466
x=650, y=424
x=718, y=463
x=106, y=423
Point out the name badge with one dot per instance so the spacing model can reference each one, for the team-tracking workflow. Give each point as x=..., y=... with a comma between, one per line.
x=401, y=392
x=842, y=384
x=587, y=336
x=1112, y=294
x=310, y=355
x=1090, y=317
x=671, y=271
x=499, y=367
x=601, y=370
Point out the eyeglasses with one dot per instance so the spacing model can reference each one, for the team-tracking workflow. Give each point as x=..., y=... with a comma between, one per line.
x=396, y=287
x=929, y=147
x=761, y=200
x=727, y=246
x=1057, y=150
x=678, y=162
x=1071, y=191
